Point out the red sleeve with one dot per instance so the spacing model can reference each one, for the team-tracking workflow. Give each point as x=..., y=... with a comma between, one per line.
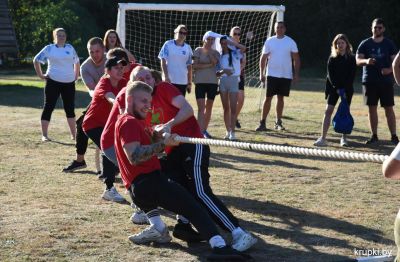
x=129, y=132
x=121, y=100
x=169, y=92
x=103, y=87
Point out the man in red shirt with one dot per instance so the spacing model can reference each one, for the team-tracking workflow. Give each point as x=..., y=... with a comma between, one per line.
x=136, y=148
x=97, y=115
x=187, y=164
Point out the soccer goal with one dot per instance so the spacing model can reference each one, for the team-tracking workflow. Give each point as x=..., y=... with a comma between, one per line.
x=143, y=29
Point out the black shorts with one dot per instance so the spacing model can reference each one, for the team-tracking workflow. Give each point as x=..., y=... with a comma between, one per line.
x=202, y=89
x=332, y=97
x=181, y=88
x=278, y=86
x=380, y=91
x=241, y=83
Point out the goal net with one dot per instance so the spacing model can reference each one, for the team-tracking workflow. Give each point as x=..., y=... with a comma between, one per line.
x=143, y=28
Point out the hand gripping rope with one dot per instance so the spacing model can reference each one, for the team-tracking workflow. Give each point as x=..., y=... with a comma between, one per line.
x=286, y=149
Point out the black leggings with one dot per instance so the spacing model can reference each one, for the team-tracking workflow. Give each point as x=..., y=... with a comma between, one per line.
x=187, y=165
x=152, y=190
x=109, y=169
x=81, y=138
x=52, y=91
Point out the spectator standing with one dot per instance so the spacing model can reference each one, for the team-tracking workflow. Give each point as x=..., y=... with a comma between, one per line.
x=62, y=72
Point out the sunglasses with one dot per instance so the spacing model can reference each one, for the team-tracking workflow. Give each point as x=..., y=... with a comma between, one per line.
x=183, y=33
x=238, y=34
x=378, y=27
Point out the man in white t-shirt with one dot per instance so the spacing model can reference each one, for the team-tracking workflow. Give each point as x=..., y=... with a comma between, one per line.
x=176, y=60
x=279, y=55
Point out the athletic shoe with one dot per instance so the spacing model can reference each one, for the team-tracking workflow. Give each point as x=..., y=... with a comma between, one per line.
x=151, y=234
x=262, y=126
x=237, y=124
x=139, y=217
x=395, y=140
x=186, y=233
x=75, y=165
x=344, y=142
x=112, y=195
x=373, y=140
x=232, y=136
x=226, y=253
x=278, y=125
x=243, y=241
x=45, y=139
x=207, y=135
x=227, y=134
x=320, y=142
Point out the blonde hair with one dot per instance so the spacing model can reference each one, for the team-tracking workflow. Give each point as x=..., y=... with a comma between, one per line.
x=135, y=86
x=335, y=50
x=179, y=27
x=136, y=71
x=55, y=31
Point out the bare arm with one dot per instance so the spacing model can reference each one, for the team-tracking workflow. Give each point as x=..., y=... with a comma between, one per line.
x=131, y=57
x=391, y=166
x=189, y=76
x=396, y=68
x=38, y=70
x=238, y=45
x=76, y=70
x=296, y=66
x=362, y=61
x=263, y=64
x=137, y=153
x=110, y=97
x=165, y=70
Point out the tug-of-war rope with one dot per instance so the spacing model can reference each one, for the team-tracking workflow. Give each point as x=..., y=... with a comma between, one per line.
x=286, y=149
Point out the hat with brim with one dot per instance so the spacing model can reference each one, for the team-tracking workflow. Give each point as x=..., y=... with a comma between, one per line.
x=113, y=61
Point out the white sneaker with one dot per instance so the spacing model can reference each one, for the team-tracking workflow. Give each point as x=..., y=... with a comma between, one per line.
x=343, y=141
x=45, y=139
x=320, y=142
x=228, y=133
x=232, y=136
x=139, y=217
x=151, y=234
x=112, y=195
x=243, y=241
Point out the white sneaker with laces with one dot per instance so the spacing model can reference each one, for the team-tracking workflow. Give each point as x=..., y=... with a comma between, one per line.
x=320, y=142
x=139, y=217
x=232, y=136
x=343, y=141
x=150, y=234
x=112, y=195
x=243, y=241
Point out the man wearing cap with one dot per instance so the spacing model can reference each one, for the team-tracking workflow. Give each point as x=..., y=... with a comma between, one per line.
x=96, y=117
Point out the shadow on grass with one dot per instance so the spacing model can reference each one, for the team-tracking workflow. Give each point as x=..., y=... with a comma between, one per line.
x=294, y=224
x=32, y=96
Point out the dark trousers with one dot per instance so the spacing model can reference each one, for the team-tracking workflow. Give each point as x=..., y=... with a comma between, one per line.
x=52, y=92
x=152, y=190
x=81, y=143
x=181, y=88
x=187, y=164
x=109, y=169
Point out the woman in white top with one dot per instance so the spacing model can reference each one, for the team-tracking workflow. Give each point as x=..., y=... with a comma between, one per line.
x=205, y=59
x=111, y=40
x=62, y=72
x=229, y=63
x=176, y=60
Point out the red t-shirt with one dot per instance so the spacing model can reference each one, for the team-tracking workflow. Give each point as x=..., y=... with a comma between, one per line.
x=127, y=74
x=163, y=111
x=100, y=108
x=128, y=129
x=107, y=137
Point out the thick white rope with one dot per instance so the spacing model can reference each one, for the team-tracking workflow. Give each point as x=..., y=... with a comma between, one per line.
x=286, y=149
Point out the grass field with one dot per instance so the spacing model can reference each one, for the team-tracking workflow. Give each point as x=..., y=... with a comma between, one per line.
x=300, y=208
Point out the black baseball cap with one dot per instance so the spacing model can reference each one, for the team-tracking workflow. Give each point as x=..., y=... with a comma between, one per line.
x=113, y=61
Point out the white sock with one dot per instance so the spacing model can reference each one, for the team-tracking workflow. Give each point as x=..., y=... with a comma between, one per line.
x=237, y=231
x=217, y=241
x=182, y=218
x=157, y=222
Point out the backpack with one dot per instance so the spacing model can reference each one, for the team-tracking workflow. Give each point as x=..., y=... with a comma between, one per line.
x=343, y=121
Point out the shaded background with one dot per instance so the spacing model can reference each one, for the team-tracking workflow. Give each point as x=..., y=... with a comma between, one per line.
x=311, y=23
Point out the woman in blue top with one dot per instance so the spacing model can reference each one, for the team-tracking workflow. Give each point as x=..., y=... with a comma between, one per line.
x=341, y=72
x=62, y=72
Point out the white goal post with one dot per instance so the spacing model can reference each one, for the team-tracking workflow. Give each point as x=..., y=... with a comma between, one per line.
x=143, y=28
